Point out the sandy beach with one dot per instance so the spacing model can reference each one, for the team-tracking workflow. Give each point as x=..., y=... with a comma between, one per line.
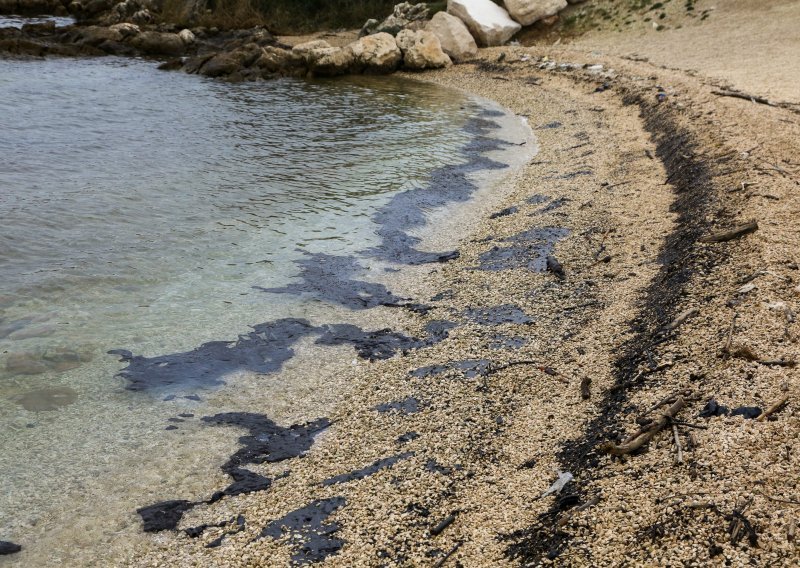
x=621, y=387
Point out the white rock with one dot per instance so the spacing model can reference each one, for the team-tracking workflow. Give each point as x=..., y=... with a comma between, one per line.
x=526, y=12
x=453, y=35
x=488, y=23
x=304, y=48
x=377, y=53
x=187, y=37
x=126, y=29
x=422, y=50
x=329, y=61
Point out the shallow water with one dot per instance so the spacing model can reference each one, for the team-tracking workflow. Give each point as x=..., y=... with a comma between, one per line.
x=10, y=21
x=140, y=209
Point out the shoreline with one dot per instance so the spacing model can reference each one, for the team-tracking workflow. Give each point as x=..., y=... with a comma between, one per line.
x=637, y=179
x=466, y=486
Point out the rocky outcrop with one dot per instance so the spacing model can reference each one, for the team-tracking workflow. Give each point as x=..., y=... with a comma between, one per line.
x=404, y=16
x=228, y=63
x=159, y=43
x=527, y=12
x=329, y=61
x=375, y=54
x=421, y=50
x=489, y=23
x=454, y=37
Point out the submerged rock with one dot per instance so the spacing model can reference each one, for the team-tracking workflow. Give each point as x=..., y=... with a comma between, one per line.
x=422, y=50
x=527, y=12
x=44, y=400
x=489, y=23
x=454, y=37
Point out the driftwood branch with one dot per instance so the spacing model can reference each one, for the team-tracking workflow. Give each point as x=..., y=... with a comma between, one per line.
x=756, y=99
x=565, y=518
x=678, y=448
x=729, y=235
x=773, y=409
x=447, y=556
x=647, y=433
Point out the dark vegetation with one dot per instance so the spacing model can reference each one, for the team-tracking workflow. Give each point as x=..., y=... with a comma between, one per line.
x=285, y=16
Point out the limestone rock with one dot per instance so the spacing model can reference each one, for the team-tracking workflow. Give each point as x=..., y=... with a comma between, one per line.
x=187, y=37
x=489, y=23
x=277, y=60
x=422, y=50
x=526, y=12
x=404, y=16
x=126, y=29
x=453, y=35
x=329, y=61
x=376, y=54
x=303, y=48
x=158, y=43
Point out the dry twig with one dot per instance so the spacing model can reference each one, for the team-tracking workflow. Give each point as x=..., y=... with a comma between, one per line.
x=647, y=433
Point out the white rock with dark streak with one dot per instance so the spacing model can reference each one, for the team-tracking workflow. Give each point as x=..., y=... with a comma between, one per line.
x=527, y=12
x=329, y=61
x=488, y=23
x=454, y=37
x=422, y=50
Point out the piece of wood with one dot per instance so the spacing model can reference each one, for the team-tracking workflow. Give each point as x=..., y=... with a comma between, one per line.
x=586, y=392
x=679, y=319
x=645, y=436
x=679, y=457
x=773, y=409
x=744, y=96
x=565, y=518
x=730, y=234
x=446, y=522
x=447, y=556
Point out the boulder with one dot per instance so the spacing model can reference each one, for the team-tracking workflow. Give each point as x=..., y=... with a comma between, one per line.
x=187, y=37
x=303, y=49
x=422, y=50
x=404, y=16
x=277, y=60
x=158, y=43
x=143, y=17
x=95, y=35
x=42, y=28
x=526, y=12
x=489, y=23
x=126, y=29
x=454, y=36
x=229, y=62
x=329, y=61
x=375, y=54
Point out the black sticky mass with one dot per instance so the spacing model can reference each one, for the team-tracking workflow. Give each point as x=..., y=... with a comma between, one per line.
x=449, y=184
x=528, y=249
x=497, y=315
x=407, y=437
x=308, y=533
x=165, y=515
x=504, y=212
x=472, y=368
x=429, y=371
x=506, y=342
x=713, y=408
x=367, y=471
x=408, y=405
x=7, y=547
x=263, y=350
x=266, y=441
x=372, y=345
x=332, y=278
x=748, y=412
